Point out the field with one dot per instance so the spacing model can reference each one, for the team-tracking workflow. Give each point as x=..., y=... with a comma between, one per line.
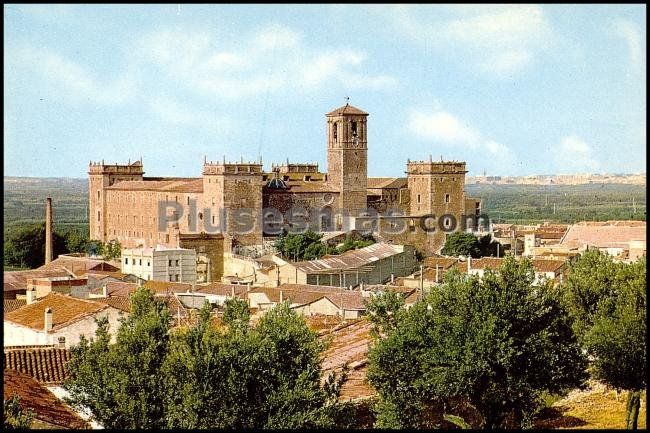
x=525, y=204
x=25, y=201
x=594, y=408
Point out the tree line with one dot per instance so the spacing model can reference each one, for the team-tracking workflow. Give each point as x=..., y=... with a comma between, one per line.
x=24, y=244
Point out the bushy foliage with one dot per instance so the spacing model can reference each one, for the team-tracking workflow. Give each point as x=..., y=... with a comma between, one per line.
x=607, y=301
x=495, y=343
x=121, y=383
x=24, y=246
x=15, y=418
x=461, y=244
x=383, y=310
x=202, y=376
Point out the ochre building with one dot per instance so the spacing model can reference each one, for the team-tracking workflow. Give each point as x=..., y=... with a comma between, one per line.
x=238, y=203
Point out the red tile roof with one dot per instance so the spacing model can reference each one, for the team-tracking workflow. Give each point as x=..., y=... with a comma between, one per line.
x=349, y=344
x=350, y=259
x=45, y=364
x=303, y=294
x=13, y=304
x=345, y=110
x=47, y=408
x=222, y=289
x=16, y=281
x=65, y=310
x=608, y=234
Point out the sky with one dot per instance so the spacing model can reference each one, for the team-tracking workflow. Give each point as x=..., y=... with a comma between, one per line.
x=510, y=89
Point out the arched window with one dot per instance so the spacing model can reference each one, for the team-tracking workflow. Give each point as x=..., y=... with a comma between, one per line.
x=334, y=130
x=354, y=129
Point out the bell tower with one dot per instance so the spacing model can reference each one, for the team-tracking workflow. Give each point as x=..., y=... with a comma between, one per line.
x=347, y=156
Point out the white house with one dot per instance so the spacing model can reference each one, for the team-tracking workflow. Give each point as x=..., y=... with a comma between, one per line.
x=56, y=319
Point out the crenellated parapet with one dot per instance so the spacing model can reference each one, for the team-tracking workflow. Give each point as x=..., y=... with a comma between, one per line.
x=232, y=168
x=430, y=167
x=131, y=168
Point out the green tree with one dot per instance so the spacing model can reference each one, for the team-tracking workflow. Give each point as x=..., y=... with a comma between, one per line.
x=24, y=246
x=236, y=312
x=15, y=418
x=608, y=303
x=497, y=343
x=296, y=246
x=112, y=250
x=489, y=247
x=383, y=310
x=245, y=377
x=121, y=383
x=461, y=244
x=76, y=242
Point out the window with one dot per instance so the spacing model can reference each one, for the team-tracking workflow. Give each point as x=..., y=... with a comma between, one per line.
x=418, y=198
x=176, y=262
x=98, y=195
x=212, y=219
x=354, y=129
x=334, y=131
x=148, y=263
x=447, y=222
x=126, y=261
x=170, y=262
x=176, y=277
x=188, y=200
x=167, y=238
x=140, y=262
x=446, y=198
x=307, y=178
x=99, y=215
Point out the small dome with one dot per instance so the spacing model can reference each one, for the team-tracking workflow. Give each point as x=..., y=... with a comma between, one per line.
x=276, y=183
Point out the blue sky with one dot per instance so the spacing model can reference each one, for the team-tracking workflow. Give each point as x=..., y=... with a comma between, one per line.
x=512, y=90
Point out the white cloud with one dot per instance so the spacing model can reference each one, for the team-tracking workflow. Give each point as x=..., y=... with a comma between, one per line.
x=173, y=112
x=271, y=59
x=572, y=154
x=74, y=80
x=633, y=37
x=445, y=128
x=498, y=39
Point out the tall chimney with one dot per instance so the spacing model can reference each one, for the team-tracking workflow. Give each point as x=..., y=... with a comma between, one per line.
x=47, y=326
x=48, y=230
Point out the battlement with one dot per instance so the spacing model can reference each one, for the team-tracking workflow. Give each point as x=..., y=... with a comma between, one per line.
x=232, y=168
x=430, y=167
x=130, y=168
x=295, y=168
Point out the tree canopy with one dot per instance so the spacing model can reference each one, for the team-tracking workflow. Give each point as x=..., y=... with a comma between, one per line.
x=493, y=344
x=205, y=376
x=466, y=244
x=607, y=301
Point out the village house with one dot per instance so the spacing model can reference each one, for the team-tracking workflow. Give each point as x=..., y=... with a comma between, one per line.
x=624, y=240
x=56, y=319
x=160, y=263
x=374, y=264
x=310, y=300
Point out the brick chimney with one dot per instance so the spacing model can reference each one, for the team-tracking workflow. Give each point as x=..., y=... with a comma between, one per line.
x=48, y=320
x=48, y=230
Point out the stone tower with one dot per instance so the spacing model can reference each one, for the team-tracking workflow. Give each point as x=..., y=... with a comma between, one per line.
x=100, y=176
x=436, y=188
x=347, y=156
x=233, y=191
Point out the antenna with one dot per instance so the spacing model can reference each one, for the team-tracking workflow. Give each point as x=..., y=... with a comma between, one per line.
x=347, y=100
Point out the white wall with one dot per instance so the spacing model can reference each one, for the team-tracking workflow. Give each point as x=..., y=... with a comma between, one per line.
x=17, y=335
